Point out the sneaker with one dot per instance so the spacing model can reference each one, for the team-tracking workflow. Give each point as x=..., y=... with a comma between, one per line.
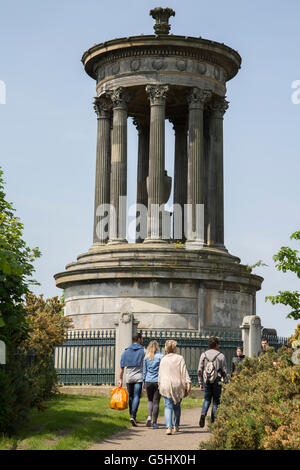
x=202, y=421
x=133, y=421
x=155, y=426
x=169, y=431
x=148, y=422
x=176, y=429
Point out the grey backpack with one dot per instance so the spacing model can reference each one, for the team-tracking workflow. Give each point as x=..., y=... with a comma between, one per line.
x=210, y=372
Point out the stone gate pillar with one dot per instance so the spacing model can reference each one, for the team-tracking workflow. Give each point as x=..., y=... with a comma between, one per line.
x=125, y=328
x=251, y=335
x=2, y=352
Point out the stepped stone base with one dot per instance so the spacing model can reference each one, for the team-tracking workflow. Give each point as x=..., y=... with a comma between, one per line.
x=163, y=286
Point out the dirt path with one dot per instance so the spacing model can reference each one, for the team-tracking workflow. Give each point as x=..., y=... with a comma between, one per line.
x=143, y=438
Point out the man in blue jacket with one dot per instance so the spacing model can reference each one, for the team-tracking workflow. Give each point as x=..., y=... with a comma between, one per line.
x=132, y=358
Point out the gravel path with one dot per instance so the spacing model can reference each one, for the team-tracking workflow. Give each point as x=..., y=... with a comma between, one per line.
x=143, y=438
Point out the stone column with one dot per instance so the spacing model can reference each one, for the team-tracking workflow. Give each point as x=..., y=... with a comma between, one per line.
x=142, y=165
x=215, y=185
x=195, y=189
x=156, y=179
x=180, y=173
x=118, y=176
x=102, y=180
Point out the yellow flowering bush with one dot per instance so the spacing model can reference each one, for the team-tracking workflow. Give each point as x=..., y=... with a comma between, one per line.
x=47, y=327
x=260, y=407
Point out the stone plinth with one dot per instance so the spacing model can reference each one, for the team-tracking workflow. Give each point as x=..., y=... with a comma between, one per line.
x=163, y=287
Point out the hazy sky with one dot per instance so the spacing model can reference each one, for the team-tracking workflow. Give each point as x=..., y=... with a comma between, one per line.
x=48, y=125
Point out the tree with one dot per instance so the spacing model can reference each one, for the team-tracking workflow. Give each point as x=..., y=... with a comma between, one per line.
x=16, y=269
x=288, y=260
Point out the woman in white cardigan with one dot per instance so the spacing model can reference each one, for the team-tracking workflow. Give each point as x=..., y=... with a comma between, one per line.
x=174, y=383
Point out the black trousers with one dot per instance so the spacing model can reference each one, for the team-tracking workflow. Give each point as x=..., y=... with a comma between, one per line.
x=153, y=399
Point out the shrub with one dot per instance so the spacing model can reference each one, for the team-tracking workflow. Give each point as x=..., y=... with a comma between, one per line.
x=260, y=406
x=47, y=326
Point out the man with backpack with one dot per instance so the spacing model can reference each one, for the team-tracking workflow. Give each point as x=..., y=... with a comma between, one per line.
x=211, y=369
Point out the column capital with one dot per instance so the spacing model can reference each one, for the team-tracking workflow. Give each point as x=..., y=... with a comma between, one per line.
x=218, y=107
x=179, y=124
x=102, y=107
x=119, y=98
x=140, y=124
x=198, y=97
x=157, y=93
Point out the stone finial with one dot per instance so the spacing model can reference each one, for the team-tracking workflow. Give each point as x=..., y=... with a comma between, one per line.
x=161, y=16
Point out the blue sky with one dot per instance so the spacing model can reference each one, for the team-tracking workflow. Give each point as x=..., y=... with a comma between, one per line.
x=48, y=125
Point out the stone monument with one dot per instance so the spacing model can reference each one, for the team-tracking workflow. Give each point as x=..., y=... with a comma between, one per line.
x=192, y=284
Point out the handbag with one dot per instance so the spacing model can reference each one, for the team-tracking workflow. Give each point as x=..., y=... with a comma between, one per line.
x=118, y=398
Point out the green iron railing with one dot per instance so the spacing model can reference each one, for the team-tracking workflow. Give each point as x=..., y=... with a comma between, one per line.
x=86, y=357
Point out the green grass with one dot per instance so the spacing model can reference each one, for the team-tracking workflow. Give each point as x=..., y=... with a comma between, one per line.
x=75, y=422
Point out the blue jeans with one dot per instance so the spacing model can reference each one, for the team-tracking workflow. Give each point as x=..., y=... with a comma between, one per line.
x=211, y=392
x=134, y=395
x=172, y=410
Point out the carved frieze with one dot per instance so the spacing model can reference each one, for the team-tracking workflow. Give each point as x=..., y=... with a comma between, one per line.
x=181, y=64
x=135, y=64
x=157, y=64
x=202, y=67
x=146, y=61
x=217, y=73
x=115, y=68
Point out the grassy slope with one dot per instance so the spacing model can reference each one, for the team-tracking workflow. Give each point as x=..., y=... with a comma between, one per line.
x=74, y=422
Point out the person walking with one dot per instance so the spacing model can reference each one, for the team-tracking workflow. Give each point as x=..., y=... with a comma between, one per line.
x=150, y=382
x=132, y=358
x=237, y=360
x=174, y=383
x=211, y=369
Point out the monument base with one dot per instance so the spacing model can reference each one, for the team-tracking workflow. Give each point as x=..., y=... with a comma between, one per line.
x=164, y=287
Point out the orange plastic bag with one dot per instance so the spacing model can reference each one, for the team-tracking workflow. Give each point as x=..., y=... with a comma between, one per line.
x=119, y=398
